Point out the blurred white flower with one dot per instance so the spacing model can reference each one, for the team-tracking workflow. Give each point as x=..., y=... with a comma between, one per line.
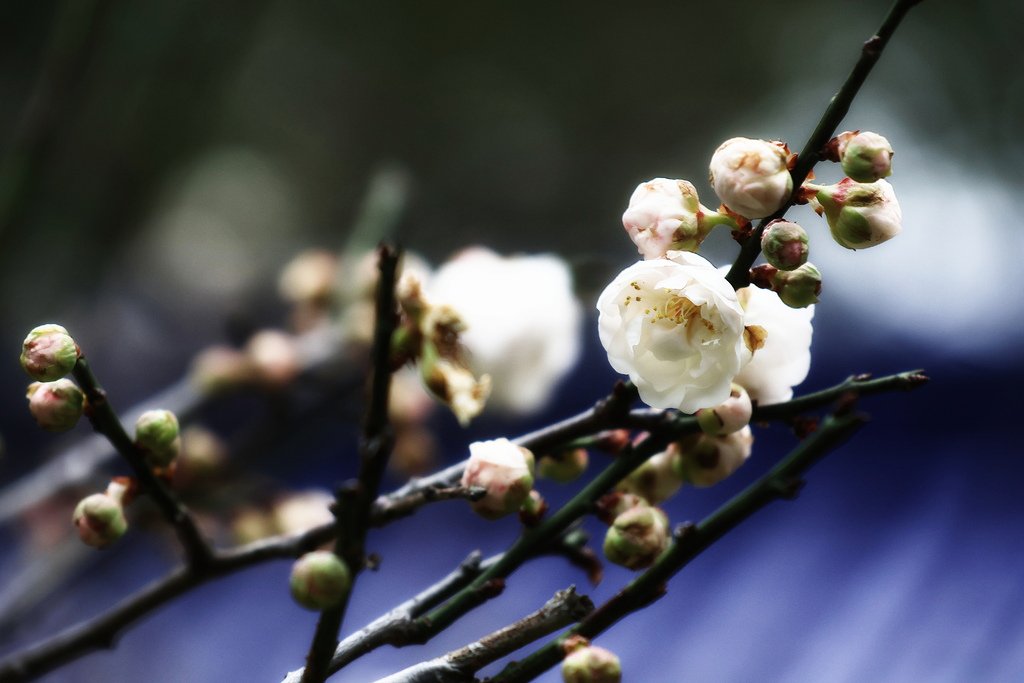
x=675, y=326
x=785, y=358
x=751, y=176
x=521, y=321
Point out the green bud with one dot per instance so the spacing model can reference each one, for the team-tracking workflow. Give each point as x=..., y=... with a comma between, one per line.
x=48, y=353
x=99, y=519
x=655, y=480
x=798, y=288
x=320, y=580
x=705, y=460
x=865, y=156
x=157, y=435
x=56, y=406
x=637, y=537
x=591, y=664
x=564, y=467
x=784, y=244
x=859, y=215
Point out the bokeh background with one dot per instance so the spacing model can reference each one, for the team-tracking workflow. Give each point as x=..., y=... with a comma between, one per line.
x=162, y=161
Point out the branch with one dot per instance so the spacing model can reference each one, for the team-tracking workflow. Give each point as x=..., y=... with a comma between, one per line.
x=105, y=421
x=782, y=482
x=355, y=504
x=564, y=608
x=739, y=273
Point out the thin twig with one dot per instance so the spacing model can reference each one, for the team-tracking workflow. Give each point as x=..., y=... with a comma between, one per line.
x=566, y=607
x=105, y=421
x=355, y=504
x=782, y=482
x=839, y=105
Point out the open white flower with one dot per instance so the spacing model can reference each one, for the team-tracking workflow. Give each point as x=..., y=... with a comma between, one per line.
x=751, y=176
x=785, y=358
x=521, y=322
x=666, y=215
x=675, y=326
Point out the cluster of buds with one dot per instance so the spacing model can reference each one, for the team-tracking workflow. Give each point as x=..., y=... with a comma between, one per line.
x=586, y=663
x=504, y=470
x=157, y=436
x=430, y=335
x=320, y=580
x=99, y=518
x=666, y=215
x=797, y=288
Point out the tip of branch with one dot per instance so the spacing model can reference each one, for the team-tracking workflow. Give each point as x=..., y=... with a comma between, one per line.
x=915, y=379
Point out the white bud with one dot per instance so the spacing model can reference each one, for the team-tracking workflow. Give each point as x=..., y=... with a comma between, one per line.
x=56, y=406
x=751, y=176
x=655, y=480
x=729, y=417
x=591, y=664
x=860, y=215
x=504, y=470
x=706, y=460
x=666, y=215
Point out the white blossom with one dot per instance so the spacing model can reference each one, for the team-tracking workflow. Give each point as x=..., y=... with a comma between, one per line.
x=751, y=177
x=785, y=358
x=665, y=215
x=675, y=326
x=521, y=322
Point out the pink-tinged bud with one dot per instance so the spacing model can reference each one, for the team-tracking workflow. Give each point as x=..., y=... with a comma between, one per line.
x=503, y=469
x=666, y=215
x=798, y=288
x=751, y=177
x=637, y=537
x=731, y=416
x=784, y=244
x=865, y=156
x=706, y=460
x=563, y=467
x=320, y=580
x=860, y=215
x=56, y=406
x=48, y=353
x=655, y=480
x=99, y=519
x=157, y=436
x=591, y=664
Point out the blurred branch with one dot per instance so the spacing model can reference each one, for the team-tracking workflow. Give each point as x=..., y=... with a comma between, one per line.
x=355, y=504
x=564, y=608
x=739, y=273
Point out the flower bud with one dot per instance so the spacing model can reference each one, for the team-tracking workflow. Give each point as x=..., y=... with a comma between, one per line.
x=655, y=480
x=865, y=156
x=705, y=460
x=637, y=537
x=99, y=519
x=533, y=509
x=156, y=435
x=274, y=356
x=48, y=353
x=784, y=244
x=320, y=580
x=591, y=664
x=563, y=467
x=56, y=406
x=666, y=214
x=860, y=215
x=613, y=504
x=751, y=177
x=731, y=416
x=798, y=288
x=503, y=469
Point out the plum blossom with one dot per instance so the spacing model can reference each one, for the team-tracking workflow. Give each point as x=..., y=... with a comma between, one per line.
x=505, y=470
x=860, y=215
x=675, y=326
x=666, y=215
x=785, y=358
x=521, y=322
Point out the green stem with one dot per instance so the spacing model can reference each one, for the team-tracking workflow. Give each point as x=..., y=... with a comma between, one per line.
x=739, y=273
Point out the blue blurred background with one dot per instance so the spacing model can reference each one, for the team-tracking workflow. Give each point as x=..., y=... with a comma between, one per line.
x=162, y=162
